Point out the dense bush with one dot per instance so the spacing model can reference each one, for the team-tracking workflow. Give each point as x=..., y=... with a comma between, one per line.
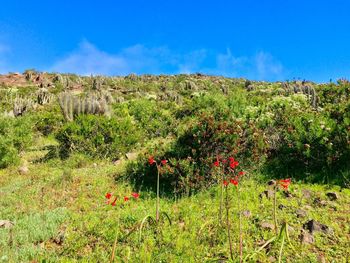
x=48, y=122
x=15, y=136
x=156, y=118
x=98, y=136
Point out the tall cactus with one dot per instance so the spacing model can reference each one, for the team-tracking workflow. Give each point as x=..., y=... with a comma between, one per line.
x=72, y=106
x=21, y=105
x=43, y=96
x=96, y=83
x=307, y=90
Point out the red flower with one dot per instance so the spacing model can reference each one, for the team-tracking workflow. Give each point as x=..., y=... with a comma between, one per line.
x=234, y=182
x=135, y=195
x=285, y=183
x=241, y=173
x=225, y=183
x=115, y=200
x=234, y=164
x=231, y=159
x=163, y=162
x=151, y=160
x=108, y=195
x=217, y=162
x=126, y=198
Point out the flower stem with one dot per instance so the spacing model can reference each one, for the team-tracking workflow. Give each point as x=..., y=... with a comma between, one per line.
x=228, y=223
x=240, y=228
x=157, y=204
x=275, y=209
x=221, y=197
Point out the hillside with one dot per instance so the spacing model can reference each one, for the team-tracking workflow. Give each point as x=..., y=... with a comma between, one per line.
x=248, y=171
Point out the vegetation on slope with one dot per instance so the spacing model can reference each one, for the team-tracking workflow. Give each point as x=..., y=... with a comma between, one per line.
x=56, y=170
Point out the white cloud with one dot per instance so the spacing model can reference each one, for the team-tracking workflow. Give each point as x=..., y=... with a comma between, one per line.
x=261, y=66
x=88, y=59
x=267, y=66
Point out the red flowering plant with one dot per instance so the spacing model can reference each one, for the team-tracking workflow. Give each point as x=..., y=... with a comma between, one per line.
x=282, y=184
x=162, y=167
x=112, y=199
x=228, y=174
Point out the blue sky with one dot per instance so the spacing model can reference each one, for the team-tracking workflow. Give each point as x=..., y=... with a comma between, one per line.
x=262, y=40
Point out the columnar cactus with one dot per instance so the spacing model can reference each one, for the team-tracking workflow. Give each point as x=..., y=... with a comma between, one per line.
x=308, y=90
x=43, y=96
x=72, y=106
x=21, y=105
x=96, y=84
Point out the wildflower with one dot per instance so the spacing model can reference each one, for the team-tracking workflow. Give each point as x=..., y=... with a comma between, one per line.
x=151, y=160
x=126, y=198
x=241, y=173
x=285, y=183
x=114, y=201
x=108, y=195
x=233, y=164
x=135, y=195
x=217, y=162
x=225, y=183
x=164, y=162
x=234, y=182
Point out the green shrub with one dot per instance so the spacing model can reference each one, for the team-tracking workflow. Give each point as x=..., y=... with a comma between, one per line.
x=98, y=136
x=49, y=122
x=156, y=118
x=15, y=136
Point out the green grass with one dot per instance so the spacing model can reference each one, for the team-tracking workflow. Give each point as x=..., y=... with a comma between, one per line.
x=46, y=202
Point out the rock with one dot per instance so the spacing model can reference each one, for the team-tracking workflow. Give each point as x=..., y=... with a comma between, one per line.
x=306, y=237
x=306, y=193
x=319, y=202
x=267, y=193
x=271, y=182
x=272, y=259
x=247, y=213
x=314, y=226
x=6, y=224
x=308, y=207
x=287, y=194
x=267, y=226
x=332, y=196
x=281, y=207
x=118, y=162
x=321, y=258
x=23, y=169
x=131, y=156
x=301, y=213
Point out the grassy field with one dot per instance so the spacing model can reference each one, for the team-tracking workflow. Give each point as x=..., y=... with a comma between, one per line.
x=60, y=214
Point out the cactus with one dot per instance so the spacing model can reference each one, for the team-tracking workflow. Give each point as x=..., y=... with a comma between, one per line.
x=190, y=85
x=29, y=74
x=58, y=78
x=72, y=106
x=224, y=89
x=43, y=96
x=96, y=83
x=132, y=77
x=307, y=90
x=21, y=105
